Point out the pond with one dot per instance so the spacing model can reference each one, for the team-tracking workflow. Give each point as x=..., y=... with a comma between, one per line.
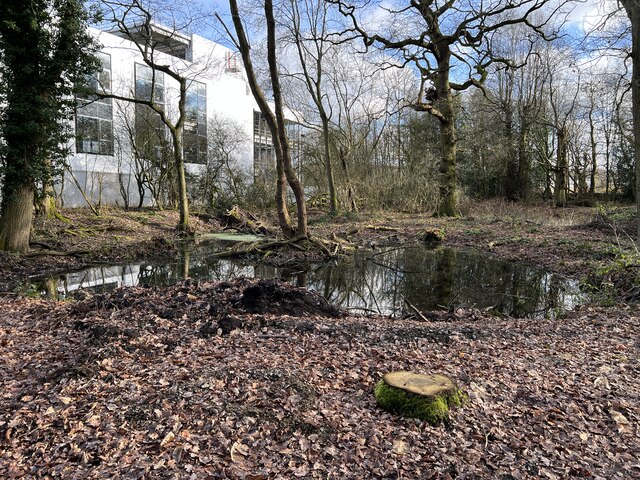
x=390, y=281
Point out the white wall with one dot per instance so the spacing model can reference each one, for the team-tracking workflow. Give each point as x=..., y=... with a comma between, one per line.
x=227, y=96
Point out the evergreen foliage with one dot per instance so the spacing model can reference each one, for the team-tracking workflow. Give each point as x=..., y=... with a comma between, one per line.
x=45, y=51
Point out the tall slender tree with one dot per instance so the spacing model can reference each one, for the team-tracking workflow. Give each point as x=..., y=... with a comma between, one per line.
x=275, y=119
x=45, y=52
x=135, y=20
x=632, y=7
x=308, y=24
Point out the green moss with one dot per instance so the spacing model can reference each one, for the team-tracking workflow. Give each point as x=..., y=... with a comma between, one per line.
x=433, y=410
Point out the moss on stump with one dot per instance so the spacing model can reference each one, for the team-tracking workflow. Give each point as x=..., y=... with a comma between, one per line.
x=427, y=397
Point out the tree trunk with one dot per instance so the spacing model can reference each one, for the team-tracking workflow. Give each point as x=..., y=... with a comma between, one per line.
x=280, y=131
x=635, y=94
x=333, y=204
x=510, y=187
x=47, y=203
x=351, y=195
x=284, y=219
x=594, y=153
x=524, y=162
x=276, y=121
x=447, y=205
x=633, y=12
x=16, y=218
x=562, y=170
x=447, y=173
x=183, y=200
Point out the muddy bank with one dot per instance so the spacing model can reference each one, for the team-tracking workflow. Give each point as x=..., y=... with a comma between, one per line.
x=148, y=382
x=81, y=239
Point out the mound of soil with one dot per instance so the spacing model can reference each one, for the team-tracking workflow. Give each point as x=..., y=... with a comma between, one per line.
x=214, y=307
x=273, y=296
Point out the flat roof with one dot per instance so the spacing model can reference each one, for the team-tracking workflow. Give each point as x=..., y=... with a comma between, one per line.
x=171, y=42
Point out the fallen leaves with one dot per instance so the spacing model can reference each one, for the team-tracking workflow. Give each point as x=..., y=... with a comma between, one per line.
x=621, y=421
x=109, y=388
x=169, y=438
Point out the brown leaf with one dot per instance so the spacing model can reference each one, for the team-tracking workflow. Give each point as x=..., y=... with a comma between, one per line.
x=169, y=437
x=399, y=447
x=239, y=451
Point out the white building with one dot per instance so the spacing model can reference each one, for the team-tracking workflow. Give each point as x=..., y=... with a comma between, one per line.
x=105, y=159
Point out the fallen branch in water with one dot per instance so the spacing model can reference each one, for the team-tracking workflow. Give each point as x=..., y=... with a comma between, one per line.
x=301, y=243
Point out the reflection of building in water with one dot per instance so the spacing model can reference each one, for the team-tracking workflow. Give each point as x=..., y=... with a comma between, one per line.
x=392, y=282
x=107, y=278
x=100, y=279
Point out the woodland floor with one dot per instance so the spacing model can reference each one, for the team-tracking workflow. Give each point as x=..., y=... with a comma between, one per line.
x=257, y=379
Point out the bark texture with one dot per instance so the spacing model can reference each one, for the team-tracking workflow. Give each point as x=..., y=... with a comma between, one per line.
x=16, y=219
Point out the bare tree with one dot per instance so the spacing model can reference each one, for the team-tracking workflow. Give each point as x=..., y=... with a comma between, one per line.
x=563, y=101
x=632, y=7
x=275, y=119
x=134, y=20
x=442, y=37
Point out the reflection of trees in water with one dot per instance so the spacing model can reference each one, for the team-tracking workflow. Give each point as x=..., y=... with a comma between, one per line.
x=455, y=278
x=380, y=281
x=361, y=283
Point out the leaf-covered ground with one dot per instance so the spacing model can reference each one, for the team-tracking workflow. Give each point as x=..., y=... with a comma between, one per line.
x=214, y=381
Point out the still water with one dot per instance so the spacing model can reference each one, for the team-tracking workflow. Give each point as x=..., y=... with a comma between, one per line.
x=389, y=281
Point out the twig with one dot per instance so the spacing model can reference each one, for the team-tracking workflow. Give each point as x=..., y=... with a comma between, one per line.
x=364, y=309
x=415, y=310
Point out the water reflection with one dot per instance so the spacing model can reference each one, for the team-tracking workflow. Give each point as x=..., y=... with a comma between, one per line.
x=389, y=281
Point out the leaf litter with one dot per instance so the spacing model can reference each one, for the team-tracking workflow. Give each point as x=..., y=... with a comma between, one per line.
x=258, y=380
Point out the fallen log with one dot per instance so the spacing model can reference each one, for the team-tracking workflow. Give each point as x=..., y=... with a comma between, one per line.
x=382, y=228
x=245, y=222
x=301, y=243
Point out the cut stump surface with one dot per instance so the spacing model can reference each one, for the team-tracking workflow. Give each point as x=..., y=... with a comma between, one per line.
x=427, y=397
x=425, y=385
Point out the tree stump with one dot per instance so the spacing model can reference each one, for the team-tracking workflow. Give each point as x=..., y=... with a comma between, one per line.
x=414, y=395
x=432, y=236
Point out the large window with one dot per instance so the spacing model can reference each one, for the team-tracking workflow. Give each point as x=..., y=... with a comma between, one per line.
x=148, y=80
x=94, y=116
x=195, y=128
x=263, y=153
x=149, y=127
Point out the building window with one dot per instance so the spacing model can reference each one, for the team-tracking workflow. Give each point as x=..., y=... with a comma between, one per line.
x=295, y=136
x=150, y=130
x=263, y=152
x=148, y=80
x=94, y=116
x=195, y=127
